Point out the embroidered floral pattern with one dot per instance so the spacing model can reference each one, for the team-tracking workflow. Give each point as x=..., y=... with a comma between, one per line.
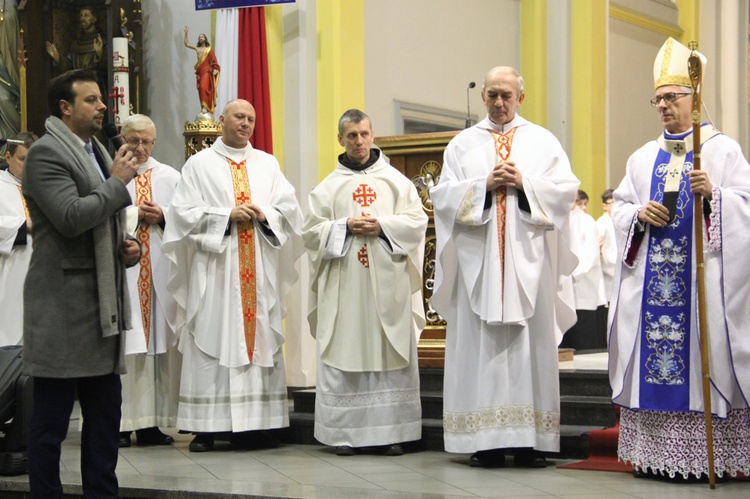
x=675, y=442
x=665, y=337
x=714, y=226
x=466, y=208
x=367, y=399
x=667, y=260
x=501, y=417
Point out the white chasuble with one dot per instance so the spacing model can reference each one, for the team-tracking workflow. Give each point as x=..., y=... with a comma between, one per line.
x=222, y=387
x=505, y=317
x=366, y=308
x=366, y=291
x=14, y=260
x=150, y=388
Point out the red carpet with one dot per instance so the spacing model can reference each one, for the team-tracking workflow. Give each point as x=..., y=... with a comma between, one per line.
x=602, y=452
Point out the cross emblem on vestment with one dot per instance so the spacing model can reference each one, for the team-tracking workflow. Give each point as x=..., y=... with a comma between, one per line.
x=678, y=148
x=243, y=198
x=246, y=237
x=362, y=255
x=364, y=195
x=247, y=275
x=249, y=315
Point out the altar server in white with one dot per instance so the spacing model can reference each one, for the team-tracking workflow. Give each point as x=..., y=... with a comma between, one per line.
x=502, y=281
x=364, y=234
x=232, y=239
x=151, y=385
x=588, y=333
x=654, y=358
x=15, y=241
x=607, y=243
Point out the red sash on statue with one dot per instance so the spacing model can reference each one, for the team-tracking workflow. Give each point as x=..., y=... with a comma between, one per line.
x=246, y=254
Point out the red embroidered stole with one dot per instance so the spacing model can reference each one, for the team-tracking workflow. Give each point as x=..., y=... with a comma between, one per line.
x=23, y=202
x=143, y=234
x=503, y=143
x=246, y=254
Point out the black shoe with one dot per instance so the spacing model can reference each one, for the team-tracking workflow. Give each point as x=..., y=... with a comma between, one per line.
x=203, y=442
x=124, y=440
x=529, y=458
x=257, y=439
x=152, y=436
x=494, y=458
x=345, y=450
x=393, y=450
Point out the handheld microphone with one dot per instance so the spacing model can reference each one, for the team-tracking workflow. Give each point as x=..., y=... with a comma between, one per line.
x=468, y=107
x=110, y=130
x=11, y=141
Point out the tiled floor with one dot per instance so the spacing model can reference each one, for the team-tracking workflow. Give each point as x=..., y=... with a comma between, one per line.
x=305, y=471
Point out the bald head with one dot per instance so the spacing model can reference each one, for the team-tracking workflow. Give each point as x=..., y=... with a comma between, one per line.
x=238, y=123
x=504, y=70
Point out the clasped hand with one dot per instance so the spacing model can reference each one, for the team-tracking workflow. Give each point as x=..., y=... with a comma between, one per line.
x=505, y=173
x=247, y=212
x=364, y=225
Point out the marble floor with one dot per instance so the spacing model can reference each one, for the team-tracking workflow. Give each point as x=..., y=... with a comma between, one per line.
x=310, y=471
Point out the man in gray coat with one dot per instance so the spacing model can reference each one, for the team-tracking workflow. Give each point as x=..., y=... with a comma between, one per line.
x=76, y=300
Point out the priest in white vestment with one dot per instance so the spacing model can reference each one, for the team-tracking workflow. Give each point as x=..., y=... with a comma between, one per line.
x=151, y=385
x=588, y=333
x=607, y=243
x=503, y=280
x=232, y=238
x=15, y=241
x=655, y=358
x=364, y=234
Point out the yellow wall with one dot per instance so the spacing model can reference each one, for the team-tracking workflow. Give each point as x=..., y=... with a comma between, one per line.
x=589, y=97
x=275, y=45
x=689, y=20
x=534, y=60
x=341, y=72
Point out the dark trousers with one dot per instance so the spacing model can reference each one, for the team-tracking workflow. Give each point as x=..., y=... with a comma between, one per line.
x=101, y=399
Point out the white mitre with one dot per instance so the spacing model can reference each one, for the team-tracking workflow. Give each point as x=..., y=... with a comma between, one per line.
x=671, y=64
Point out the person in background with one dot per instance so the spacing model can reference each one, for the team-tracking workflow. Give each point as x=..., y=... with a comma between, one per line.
x=15, y=240
x=151, y=386
x=588, y=284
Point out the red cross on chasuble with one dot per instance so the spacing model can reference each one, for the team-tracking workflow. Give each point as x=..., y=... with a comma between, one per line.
x=503, y=143
x=246, y=255
x=143, y=234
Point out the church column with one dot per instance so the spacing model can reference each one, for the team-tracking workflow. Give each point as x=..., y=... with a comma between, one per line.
x=300, y=125
x=341, y=72
x=589, y=24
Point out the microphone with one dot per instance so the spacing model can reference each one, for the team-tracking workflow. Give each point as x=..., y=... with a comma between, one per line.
x=110, y=130
x=468, y=107
x=11, y=141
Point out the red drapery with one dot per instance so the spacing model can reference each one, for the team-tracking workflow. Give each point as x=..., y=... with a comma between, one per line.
x=252, y=71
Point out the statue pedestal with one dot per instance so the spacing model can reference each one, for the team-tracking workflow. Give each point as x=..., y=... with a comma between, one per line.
x=199, y=135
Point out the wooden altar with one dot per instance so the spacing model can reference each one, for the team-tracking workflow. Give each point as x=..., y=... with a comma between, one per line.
x=420, y=158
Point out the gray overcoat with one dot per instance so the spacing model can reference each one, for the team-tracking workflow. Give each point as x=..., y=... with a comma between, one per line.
x=75, y=295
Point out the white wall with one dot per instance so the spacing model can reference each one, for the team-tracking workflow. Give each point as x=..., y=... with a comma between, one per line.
x=172, y=98
x=427, y=51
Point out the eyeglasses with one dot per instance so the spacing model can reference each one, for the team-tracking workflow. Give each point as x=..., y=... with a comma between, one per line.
x=137, y=142
x=668, y=98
